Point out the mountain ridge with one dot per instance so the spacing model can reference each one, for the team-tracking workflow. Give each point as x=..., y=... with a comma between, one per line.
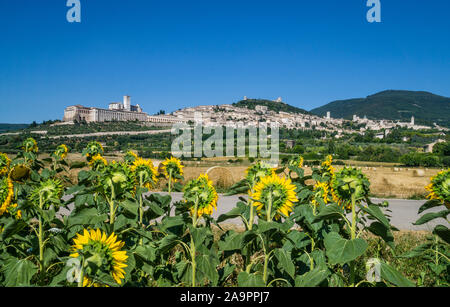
x=427, y=108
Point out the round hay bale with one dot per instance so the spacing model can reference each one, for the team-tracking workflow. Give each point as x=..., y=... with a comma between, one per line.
x=418, y=173
x=396, y=169
x=220, y=176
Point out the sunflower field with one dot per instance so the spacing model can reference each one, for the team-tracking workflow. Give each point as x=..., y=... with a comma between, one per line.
x=109, y=228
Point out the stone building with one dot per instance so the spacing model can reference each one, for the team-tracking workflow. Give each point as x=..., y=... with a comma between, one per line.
x=117, y=111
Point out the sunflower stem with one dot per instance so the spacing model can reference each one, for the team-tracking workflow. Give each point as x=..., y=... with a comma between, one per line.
x=269, y=207
x=81, y=277
x=170, y=190
x=353, y=236
x=111, y=206
x=40, y=239
x=141, y=209
x=193, y=250
x=252, y=214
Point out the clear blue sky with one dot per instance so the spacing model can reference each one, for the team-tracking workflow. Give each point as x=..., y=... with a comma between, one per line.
x=173, y=54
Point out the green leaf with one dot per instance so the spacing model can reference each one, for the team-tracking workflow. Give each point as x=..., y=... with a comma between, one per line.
x=393, y=276
x=284, y=258
x=418, y=251
x=154, y=210
x=382, y=231
x=430, y=204
x=443, y=233
x=431, y=216
x=330, y=212
x=234, y=213
x=147, y=252
x=375, y=212
x=207, y=265
x=131, y=206
x=250, y=280
x=341, y=251
x=12, y=228
x=75, y=165
x=88, y=216
x=167, y=243
x=313, y=278
x=232, y=241
x=19, y=272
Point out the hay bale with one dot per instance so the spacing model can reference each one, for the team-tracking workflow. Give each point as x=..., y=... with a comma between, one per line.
x=396, y=169
x=374, y=168
x=418, y=173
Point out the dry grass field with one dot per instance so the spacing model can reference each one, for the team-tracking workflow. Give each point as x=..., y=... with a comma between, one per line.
x=386, y=179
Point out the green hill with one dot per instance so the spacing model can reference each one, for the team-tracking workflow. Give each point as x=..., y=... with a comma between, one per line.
x=427, y=108
x=12, y=127
x=270, y=104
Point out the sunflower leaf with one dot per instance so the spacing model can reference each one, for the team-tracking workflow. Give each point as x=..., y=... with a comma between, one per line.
x=341, y=251
x=431, y=216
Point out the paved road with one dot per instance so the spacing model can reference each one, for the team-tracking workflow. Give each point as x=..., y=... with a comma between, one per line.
x=403, y=215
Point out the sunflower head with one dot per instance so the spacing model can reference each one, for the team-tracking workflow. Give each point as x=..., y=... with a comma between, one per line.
x=259, y=170
x=20, y=172
x=202, y=191
x=101, y=253
x=275, y=192
x=92, y=149
x=348, y=183
x=327, y=167
x=439, y=187
x=30, y=145
x=97, y=162
x=297, y=161
x=6, y=194
x=172, y=166
x=48, y=192
x=118, y=178
x=5, y=162
x=130, y=157
x=323, y=192
x=61, y=152
x=145, y=172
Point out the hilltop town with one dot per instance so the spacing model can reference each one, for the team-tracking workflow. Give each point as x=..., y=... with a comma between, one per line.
x=228, y=115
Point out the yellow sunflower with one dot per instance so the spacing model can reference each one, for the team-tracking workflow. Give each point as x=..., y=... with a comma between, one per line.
x=6, y=194
x=97, y=162
x=95, y=246
x=12, y=209
x=259, y=170
x=5, y=162
x=30, y=145
x=326, y=165
x=61, y=152
x=20, y=172
x=202, y=191
x=130, y=157
x=439, y=187
x=94, y=148
x=322, y=191
x=172, y=166
x=145, y=172
x=274, y=194
x=297, y=161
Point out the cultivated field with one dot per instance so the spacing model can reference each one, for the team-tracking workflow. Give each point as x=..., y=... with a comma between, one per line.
x=387, y=180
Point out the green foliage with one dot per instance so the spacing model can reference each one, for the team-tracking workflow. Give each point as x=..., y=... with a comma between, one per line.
x=427, y=108
x=315, y=245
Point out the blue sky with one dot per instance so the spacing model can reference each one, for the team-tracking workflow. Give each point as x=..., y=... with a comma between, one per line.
x=173, y=54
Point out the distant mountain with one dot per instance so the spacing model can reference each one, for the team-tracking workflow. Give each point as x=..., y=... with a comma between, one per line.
x=427, y=108
x=270, y=104
x=12, y=127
